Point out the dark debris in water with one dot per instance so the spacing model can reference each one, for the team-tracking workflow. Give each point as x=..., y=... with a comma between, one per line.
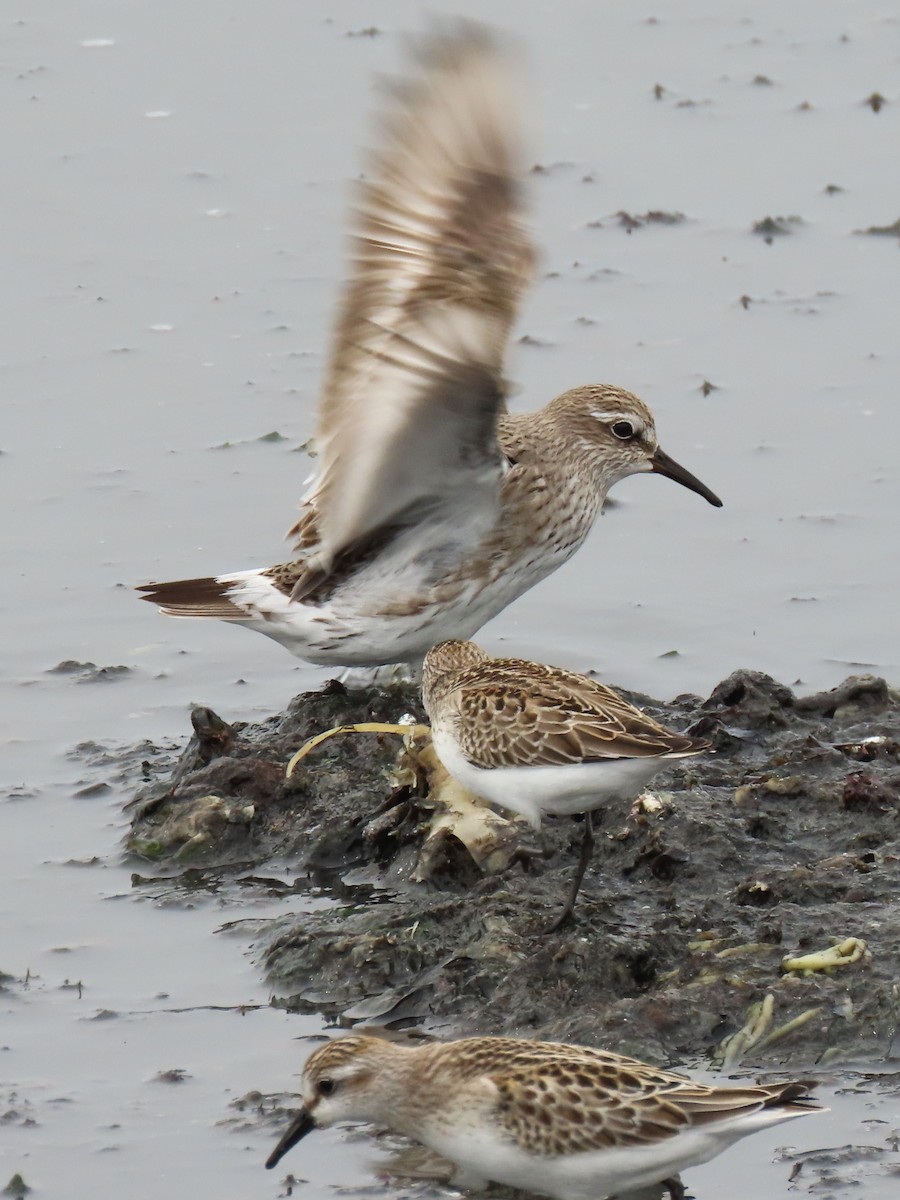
x=876, y=102
x=631, y=221
x=834, y=1170
x=781, y=847
x=883, y=230
x=88, y=672
x=172, y=1075
x=770, y=228
x=16, y=1188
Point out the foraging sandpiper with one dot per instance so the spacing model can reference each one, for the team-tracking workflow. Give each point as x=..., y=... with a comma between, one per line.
x=560, y=1120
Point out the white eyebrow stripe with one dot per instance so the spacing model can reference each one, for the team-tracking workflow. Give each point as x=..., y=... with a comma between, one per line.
x=611, y=418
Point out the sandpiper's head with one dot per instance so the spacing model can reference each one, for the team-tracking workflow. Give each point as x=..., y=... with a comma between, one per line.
x=444, y=661
x=337, y=1079
x=619, y=430
x=339, y=1083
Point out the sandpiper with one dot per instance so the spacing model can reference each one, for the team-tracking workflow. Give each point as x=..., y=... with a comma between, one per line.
x=541, y=740
x=560, y=1120
x=433, y=508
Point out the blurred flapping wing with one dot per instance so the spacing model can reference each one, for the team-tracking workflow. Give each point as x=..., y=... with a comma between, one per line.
x=440, y=258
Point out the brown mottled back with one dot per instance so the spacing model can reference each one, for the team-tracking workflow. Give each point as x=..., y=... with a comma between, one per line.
x=510, y=712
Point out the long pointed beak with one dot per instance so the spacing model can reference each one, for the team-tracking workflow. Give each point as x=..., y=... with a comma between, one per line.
x=663, y=465
x=301, y=1125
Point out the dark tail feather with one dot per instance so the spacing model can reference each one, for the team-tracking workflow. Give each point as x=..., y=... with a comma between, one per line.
x=792, y=1098
x=794, y=1095
x=193, y=598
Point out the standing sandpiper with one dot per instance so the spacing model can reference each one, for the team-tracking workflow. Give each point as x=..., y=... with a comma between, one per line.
x=433, y=508
x=540, y=740
x=560, y=1120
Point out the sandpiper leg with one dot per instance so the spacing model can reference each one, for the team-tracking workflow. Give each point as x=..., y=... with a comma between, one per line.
x=587, y=849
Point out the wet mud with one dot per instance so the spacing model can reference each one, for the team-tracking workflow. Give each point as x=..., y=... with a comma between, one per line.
x=744, y=911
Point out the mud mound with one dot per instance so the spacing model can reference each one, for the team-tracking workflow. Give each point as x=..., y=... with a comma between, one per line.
x=745, y=910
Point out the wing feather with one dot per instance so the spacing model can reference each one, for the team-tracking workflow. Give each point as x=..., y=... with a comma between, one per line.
x=440, y=259
x=515, y=714
x=594, y=1099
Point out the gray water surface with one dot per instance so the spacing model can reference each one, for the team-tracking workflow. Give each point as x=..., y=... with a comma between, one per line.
x=175, y=179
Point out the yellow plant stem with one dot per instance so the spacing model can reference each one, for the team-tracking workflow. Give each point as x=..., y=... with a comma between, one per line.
x=361, y=727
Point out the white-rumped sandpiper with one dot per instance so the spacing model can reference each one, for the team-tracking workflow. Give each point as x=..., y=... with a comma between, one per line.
x=432, y=507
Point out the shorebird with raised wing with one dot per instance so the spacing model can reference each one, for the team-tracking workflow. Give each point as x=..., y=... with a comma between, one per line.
x=433, y=507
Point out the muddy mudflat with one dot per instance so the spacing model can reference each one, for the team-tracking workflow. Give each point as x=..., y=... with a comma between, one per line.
x=742, y=911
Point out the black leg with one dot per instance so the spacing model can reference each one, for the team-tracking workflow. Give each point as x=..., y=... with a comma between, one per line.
x=676, y=1188
x=587, y=849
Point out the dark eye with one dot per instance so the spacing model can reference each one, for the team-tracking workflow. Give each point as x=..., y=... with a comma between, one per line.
x=326, y=1087
x=623, y=430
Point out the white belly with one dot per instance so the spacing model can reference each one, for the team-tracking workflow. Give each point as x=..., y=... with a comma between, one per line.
x=535, y=792
x=389, y=612
x=594, y=1174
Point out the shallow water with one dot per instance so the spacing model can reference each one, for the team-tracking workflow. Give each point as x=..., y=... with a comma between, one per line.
x=177, y=174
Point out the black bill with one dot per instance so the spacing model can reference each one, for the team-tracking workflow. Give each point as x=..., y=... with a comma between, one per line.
x=301, y=1125
x=663, y=465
